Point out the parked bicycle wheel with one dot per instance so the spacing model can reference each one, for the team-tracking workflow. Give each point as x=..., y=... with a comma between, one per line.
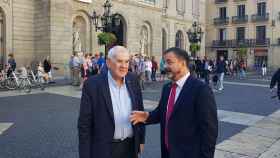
x=11, y=83
x=2, y=84
x=25, y=85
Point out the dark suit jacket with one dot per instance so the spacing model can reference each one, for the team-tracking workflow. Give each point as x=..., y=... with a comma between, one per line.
x=193, y=125
x=276, y=80
x=96, y=121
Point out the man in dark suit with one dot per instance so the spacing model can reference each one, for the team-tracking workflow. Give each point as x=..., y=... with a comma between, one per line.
x=187, y=112
x=276, y=80
x=104, y=126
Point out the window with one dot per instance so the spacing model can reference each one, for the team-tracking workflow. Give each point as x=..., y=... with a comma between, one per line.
x=165, y=3
x=241, y=10
x=179, y=39
x=240, y=34
x=222, y=34
x=223, y=13
x=196, y=8
x=261, y=33
x=180, y=6
x=261, y=9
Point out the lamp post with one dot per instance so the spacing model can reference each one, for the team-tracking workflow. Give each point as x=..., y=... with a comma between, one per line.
x=195, y=35
x=108, y=20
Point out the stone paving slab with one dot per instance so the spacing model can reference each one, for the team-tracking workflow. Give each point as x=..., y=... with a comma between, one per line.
x=256, y=131
x=268, y=124
x=262, y=140
x=252, y=150
x=238, y=118
x=253, y=139
x=225, y=154
x=273, y=152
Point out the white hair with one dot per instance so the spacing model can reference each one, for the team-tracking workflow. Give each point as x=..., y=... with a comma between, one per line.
x=117, y=49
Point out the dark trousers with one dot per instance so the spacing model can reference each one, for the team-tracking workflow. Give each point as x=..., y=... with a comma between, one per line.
x=154, y=75
x=124, y=149
x=206, y=76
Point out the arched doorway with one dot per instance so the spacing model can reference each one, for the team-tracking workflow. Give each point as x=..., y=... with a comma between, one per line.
x=79, y=34
x=2, y=39
x=120, y=31
x=179, y=41
x=164, y=40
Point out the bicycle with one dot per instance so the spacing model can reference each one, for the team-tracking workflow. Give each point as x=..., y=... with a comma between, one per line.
x=18, y=81
x=37, y=80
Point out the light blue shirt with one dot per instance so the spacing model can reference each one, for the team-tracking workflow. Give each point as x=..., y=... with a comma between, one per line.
x=122, y=108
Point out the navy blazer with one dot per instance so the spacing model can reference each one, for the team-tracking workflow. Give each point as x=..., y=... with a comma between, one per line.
x=193, y=124
x=96, y=120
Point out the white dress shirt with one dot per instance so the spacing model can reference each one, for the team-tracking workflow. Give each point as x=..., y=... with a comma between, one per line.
x=122, y=107
x=180, y=83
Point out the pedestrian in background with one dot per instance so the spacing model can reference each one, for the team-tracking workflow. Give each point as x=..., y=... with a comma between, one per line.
x=85, y=69
x=148, y=68
x=264, y=69
x=162, y=69
x=48, y=69
x=242, y=69
x=141, y=72
x=221, y=69
x=12, y=61
x=206, y=70
x=71, y=68
x=154, y=68
x=76, y=70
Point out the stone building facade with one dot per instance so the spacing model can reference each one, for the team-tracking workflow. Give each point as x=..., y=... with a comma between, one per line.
x=250, y=24
x=34, y=29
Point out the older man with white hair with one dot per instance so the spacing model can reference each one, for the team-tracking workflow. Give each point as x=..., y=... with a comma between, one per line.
x=105, y=130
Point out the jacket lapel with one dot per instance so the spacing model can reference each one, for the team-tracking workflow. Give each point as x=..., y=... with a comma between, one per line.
x=183, y=94
x=107, y=95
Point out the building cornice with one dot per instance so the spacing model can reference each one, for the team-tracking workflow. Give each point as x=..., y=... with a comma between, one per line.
x=140, y=4
x=165, y=17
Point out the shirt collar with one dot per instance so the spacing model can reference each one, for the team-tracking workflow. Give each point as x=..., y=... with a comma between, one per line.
x=180, y=83
x=112, y=80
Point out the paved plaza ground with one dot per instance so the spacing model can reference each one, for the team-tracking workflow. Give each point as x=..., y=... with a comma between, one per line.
x=43, y=124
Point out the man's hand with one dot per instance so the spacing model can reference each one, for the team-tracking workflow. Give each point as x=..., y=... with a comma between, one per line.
x=139, y=117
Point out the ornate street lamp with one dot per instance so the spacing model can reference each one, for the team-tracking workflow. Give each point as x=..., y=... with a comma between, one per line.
x=195, y=33
x=108, y=20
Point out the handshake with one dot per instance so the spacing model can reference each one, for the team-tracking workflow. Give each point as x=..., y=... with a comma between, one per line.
x=139, y=117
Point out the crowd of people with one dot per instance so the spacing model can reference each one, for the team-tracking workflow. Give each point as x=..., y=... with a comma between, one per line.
x=84, y=66
x=149, y=70
x=214, y=70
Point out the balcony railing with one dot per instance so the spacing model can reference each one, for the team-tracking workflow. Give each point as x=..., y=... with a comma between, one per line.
x=240, y=19
x=221, y=21
x=260, y=18
x=241, y=43
x=220, y=1
x=261, y=42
